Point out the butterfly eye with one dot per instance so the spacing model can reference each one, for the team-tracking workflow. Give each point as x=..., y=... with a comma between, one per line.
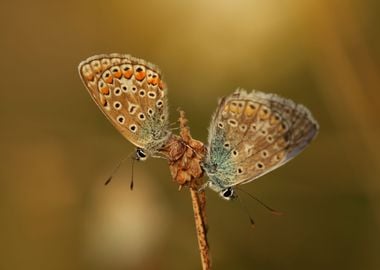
x=227, y=194
x=140, y=154
x=220, y=125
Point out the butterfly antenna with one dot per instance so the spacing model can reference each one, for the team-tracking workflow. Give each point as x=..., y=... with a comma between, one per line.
x=133, y=165
x=115, y=170
x=247, y=212
x=174, y=128
x=270, y=209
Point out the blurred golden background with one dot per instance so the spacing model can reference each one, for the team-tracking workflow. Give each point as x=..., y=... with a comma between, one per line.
x=57, y=148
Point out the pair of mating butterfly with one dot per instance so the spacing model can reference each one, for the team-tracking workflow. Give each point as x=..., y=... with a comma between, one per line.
x=250, y=134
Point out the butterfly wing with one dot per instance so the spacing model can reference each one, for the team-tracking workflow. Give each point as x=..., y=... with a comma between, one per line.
x=132, y=95
x=252, y=134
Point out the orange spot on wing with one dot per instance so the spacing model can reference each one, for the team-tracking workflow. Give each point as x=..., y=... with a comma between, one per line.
x=105, y=90
x=140, y=75
x=128, y=73
x=109, y=79
x=155, y=80
x=117, y=74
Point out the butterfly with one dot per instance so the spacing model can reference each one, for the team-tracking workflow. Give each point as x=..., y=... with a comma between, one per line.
x=252, y=134
x=132, y=95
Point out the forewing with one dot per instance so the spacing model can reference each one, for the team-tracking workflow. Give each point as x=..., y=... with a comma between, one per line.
x=252, y=134
x=132, y=95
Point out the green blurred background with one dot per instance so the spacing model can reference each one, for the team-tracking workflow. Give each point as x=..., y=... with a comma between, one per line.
x=57, y=148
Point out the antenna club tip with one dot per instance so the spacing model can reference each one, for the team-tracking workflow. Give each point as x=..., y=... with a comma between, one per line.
x=253, y=225
x=108, y=181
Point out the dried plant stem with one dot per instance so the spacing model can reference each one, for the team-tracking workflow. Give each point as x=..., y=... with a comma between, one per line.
x=199, y=207
x=185, y=155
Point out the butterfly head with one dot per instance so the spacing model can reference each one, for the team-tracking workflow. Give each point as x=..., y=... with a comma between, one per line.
x=227, y=193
